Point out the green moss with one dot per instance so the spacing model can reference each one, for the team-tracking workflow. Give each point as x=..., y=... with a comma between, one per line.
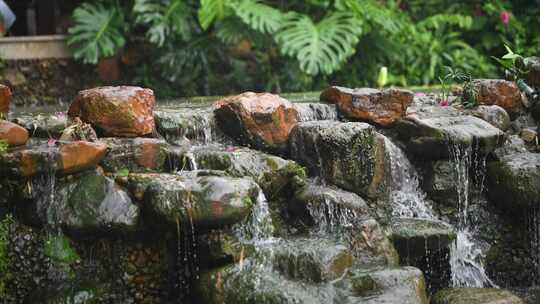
x=58, y=248
x=5, y=227
x=3, y=146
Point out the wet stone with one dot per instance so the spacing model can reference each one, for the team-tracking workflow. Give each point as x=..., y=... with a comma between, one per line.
x=135, y=155
x=475, y=296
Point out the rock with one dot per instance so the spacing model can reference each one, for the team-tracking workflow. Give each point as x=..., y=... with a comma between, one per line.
x=78, y=130
x=513, y=181
x=316, y=111
x=80, y=155
x=475, y=296
x=529, y=135
x=439, y=181
x=39, y=158
x=14, y=77
x=503, y=93
x=371, y=105
x=206, y=201
x=312, y=260
x=261, y=120
x=188, y=124
x=348, y=155
x=43, y=125
x=116, y=111
x=495, y=115
x=92, y=203
x=533, y=77
x=275, y=174
x=13, y=134
x=433, y=137
x=393, y=285
x=415, y=238
x=135, y=155
x=5, y=100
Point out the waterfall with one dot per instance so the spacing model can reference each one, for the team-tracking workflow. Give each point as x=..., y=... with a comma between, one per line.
x=260, y=228
x=331, y=218
x=533, y=228
x=466, y=254
x=405, y=195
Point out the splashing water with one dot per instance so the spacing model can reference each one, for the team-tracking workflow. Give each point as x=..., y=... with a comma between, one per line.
x=259, y=229
x=466, y=254
x=331, y=218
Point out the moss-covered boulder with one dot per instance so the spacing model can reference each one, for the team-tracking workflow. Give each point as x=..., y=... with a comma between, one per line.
x=432, y=137
x=475, y=296
x=275, y=175
x=415, y=238
x=91, y=204
x=349, y=155
x=135, y=155
x=513, y=181
x=206, y=201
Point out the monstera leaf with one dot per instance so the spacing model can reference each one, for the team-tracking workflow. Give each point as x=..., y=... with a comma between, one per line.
x=98, y=31
x=319, y=47
x=212, y=10
x=164, y=19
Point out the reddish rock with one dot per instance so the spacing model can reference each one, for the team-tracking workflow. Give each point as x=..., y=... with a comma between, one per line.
x=5, y=99
x=14, y=134
x=371, y=105
x=503, y=93
x=149, y=154
x=116, y=111
x=81, y=155
x=262, y=120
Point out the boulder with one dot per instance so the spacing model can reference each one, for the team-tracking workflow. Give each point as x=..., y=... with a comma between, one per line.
x=439, y=181
x=5, y=100
x=348, y=155
x=503, y=93
x=415, y=238
x=80, y=155
x=434, y=137
x=88, y=204
x=13, y=134
x=371, y=105
x=495, y=115
x=475, y=296
x=275, y=175
x=135, y=155
x=116, y=111
x=513, y=181
x=206, y=201
x=261, y=120
x=40, y=158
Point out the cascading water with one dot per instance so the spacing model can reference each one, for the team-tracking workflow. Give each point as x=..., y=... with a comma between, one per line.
x=466, y=254
x=533, y=227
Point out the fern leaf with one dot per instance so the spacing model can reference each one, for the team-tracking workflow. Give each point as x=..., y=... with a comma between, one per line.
x=98, y=32
x=163, y=18
x=323, y=47
x=210, y=11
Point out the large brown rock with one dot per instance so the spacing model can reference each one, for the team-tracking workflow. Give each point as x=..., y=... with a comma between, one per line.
x=116, y=111
x=5, y=99
x=503, y=93
x=371, y=105
x=262, y=120
x=81, y=155
x=14, y=134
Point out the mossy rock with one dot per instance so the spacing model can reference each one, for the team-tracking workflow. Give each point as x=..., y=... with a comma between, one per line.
x=475, y=296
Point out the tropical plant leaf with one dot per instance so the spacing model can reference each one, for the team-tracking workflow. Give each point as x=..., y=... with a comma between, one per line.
x=98, y=31
x=320, y=48
x=259, y=16
x=164, y=19
x=210, y=11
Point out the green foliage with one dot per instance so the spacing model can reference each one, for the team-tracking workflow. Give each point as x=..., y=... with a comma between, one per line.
x=210, y=11
x=58, y=248
x=320, y=48
x=124, y=172
x=3, y=146
x=164, y=19
x=260, y=17
x=98, y=31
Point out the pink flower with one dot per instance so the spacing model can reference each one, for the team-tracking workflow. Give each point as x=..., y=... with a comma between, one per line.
x=444, y=103
x=51, y=142
x=505, y=17
x=230, y=149
x=420, y=94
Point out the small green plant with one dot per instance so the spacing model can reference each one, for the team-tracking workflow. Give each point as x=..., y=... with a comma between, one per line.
x=124, y=172
x=3, y=146
x=514, y=64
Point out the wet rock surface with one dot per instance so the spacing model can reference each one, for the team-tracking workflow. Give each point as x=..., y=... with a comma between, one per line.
x=135, y=155
x=503, y=93
x=5, y=99
x=475, y=296
x=371, y=105
x=13, y=134
x=116, y=111
x=261, y=120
